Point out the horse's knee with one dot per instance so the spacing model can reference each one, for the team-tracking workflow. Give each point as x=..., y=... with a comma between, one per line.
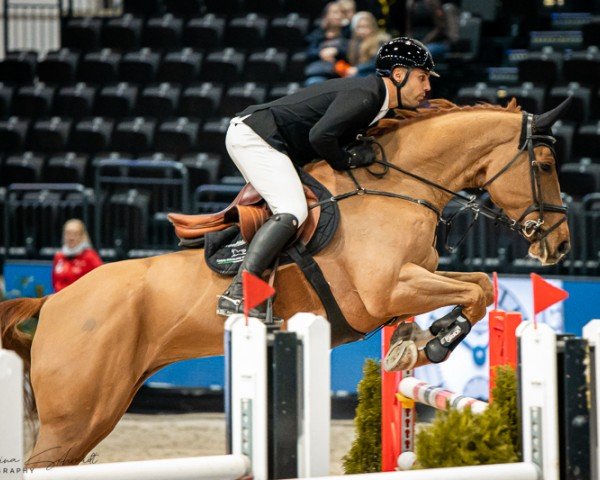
x=486, y=285
x=475, y=310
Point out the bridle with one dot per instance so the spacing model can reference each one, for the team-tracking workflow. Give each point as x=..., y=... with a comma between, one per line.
x=532, y=230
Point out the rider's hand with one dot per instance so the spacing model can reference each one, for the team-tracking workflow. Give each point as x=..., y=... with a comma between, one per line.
x=360, y=155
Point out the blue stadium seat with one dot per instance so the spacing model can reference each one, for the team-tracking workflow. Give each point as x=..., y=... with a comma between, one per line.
x=58, y=67
x=163, y=33
x=205, y=32
x=247, y=31
x=180, y=67
x=74, y=101
x=266, y=66
x=99, y=67
x=134, y=136
x=91, y=135
x=288, y=31
x=18, y=68
x=122, y=33
x=82, y=33
x=223, y=65
x=139, y=67
x=201, y=100
x=33, y=101
x=179, y=136
x=116, y=101
x=13, y=132
x=50, y=135
x=158, y=101
x=242, y=95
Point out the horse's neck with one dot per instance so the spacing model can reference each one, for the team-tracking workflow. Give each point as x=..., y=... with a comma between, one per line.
x=448, y=150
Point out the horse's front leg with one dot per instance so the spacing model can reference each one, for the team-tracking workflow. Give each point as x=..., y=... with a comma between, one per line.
x=420, y=291
x=479, y=278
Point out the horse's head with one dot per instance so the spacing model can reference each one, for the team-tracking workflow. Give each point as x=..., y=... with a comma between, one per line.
x=526, y=186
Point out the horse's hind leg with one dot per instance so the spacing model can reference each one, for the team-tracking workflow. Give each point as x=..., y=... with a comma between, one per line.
x=420, y=291
x=79, y=403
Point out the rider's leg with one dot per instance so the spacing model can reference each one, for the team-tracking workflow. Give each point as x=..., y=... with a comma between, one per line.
x=273, y=175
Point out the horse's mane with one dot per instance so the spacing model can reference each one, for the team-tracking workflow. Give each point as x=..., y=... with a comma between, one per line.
x=436, y=108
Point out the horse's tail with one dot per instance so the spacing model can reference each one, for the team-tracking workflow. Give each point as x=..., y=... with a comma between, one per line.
x=12, y=314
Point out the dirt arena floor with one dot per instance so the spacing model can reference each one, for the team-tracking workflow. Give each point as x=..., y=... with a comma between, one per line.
x=141, y=437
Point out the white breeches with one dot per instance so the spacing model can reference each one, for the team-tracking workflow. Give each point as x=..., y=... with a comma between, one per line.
x=270, y=172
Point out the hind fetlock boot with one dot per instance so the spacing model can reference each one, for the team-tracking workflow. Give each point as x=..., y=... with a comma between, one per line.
x=265, y=247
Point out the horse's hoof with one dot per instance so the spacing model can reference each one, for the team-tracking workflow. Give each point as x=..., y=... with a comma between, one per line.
x=402, y=355
x=410, y=331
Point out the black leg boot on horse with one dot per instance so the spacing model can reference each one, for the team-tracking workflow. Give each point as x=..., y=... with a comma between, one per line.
x=264, y=248
x=411, y=346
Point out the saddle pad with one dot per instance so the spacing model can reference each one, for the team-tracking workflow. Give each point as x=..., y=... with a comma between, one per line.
x=225, y=250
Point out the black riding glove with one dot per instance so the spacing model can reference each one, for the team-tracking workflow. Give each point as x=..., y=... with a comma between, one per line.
x=360, y=155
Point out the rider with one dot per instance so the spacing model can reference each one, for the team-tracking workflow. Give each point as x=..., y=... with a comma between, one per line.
x=269, y=142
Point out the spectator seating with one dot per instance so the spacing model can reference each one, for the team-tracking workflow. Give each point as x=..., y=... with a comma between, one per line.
x=99, y=67
x=24, y=167
x=33, y=101
x=178, y=136
x=82, y=33
x=583, y=66
x=122, y=33
x=13, y=132
x=201, y=100
x=180, y=67
x=134, y=136
x=74, y=101
x=227, y=64
x=18, y=68
x=139, y=67
x=241, y=95
x=266, y=66
x=205, y=32
x=248, y=31
x=67, y=167
x=579, y=111
x=163, y=33
x=58, y=68
x=49, y=135
x=91, y=135
x=587, y=141
x=186, y=8
x=116, y=101
x=288, y=31
x=6, y=96
x=282, y=89
x=541, y=67
x=158, y=101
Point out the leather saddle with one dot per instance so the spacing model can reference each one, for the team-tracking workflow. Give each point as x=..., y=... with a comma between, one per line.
x=249, y=211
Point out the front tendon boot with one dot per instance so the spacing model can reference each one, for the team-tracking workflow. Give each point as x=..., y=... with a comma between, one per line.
x=447, y=339
x=265, y=247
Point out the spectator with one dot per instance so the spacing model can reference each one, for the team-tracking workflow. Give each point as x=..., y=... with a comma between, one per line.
x=348, y=11
x=363, y=46
x=76, y=258
x=327, y=44
x=433, y=23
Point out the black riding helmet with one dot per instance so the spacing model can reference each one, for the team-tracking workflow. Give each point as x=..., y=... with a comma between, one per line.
x=403, y=52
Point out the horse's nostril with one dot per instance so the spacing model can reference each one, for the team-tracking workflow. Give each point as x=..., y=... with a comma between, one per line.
x=564, y=247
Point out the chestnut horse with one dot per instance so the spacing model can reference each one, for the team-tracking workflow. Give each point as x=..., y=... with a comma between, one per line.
x=98, y=340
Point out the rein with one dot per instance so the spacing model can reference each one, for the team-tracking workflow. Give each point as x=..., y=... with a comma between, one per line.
x=531, y=229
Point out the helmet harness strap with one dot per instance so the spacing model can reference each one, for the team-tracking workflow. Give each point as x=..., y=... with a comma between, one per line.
x=399, y=85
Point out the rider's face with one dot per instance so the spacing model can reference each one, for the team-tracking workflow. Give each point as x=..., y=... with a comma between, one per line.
x=416, y=88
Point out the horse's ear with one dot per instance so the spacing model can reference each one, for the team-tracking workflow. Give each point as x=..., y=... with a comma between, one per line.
x=546, y=120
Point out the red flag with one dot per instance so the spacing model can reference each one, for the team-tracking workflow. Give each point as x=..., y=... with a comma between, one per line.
x=545, y=294
x=256, y=291
x=495, y=284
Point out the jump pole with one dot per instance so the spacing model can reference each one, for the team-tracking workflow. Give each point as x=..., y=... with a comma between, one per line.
x=591, y=332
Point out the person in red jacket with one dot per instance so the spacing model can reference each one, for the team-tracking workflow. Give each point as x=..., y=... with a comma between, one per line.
x=76, y=258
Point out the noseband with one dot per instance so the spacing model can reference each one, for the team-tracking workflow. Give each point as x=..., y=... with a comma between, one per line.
x=532, y=230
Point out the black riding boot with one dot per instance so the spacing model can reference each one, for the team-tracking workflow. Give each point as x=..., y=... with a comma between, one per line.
x=264, y=248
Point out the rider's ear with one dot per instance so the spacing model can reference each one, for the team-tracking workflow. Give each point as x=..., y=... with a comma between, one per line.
x=546, y=120
x=398, y=73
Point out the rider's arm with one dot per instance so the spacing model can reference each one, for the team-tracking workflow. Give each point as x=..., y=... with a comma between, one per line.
x=350, y=111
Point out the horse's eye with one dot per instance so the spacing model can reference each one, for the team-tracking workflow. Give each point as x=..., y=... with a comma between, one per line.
x=545, y=167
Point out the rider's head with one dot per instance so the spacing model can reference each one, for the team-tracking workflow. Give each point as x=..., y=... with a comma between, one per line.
x=408, y=64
